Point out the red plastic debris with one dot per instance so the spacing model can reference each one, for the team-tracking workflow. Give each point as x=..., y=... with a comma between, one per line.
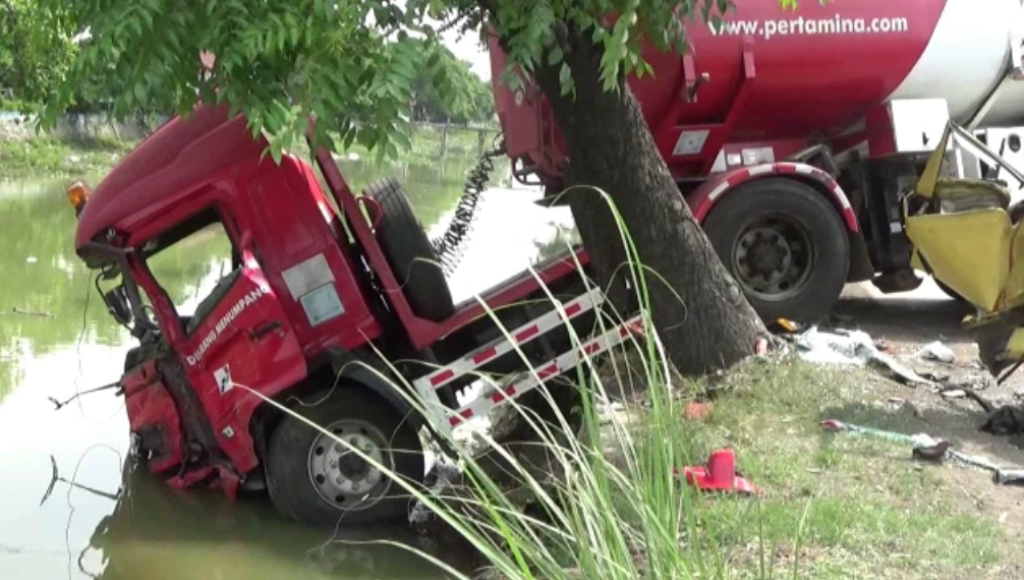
x=719, y=474
x=761, y=347
x=698, y=411
x=831, y=425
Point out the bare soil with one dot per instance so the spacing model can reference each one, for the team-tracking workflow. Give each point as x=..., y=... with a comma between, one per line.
x=907, y=323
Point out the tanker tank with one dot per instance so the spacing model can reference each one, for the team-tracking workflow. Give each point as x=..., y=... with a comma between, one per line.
x=819, y=68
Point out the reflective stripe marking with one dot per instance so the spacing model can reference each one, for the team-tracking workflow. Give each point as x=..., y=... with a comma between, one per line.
x=719, y=190
x=565, y=362
x=527, y=334
x=484, y=355
x=521, y=335
x=441, y=377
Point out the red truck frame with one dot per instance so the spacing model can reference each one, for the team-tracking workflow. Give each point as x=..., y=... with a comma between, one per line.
x=317, y=293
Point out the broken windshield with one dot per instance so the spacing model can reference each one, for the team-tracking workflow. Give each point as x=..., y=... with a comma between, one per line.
x=194, y=264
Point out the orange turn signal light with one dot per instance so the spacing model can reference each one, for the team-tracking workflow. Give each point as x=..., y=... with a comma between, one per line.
x=78, y=194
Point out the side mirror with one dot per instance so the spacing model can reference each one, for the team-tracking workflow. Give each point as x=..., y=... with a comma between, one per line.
x=117, y=303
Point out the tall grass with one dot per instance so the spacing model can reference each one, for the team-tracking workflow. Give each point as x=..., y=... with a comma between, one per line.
x=601, y=505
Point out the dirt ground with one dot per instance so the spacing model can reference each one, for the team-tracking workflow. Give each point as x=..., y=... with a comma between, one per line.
x=907, y=322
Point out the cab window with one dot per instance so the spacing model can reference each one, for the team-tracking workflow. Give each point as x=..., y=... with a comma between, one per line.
x=194, y=264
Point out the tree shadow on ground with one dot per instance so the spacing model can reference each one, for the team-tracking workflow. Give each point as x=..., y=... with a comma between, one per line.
x=906, y=319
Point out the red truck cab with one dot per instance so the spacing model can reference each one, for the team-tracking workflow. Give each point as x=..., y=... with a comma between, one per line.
x=318, y=294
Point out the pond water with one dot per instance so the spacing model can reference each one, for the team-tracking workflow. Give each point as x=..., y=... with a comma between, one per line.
x=56, y=339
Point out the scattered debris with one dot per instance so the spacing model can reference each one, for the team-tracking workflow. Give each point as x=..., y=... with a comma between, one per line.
x=1006, y=420
x=924, y=446
x=445, y=475
x=1008, y=476
x=61, y=404
x=936, y=351
x=698, y=411
x=761, y=347
x=953, y=393
x=56, y=477
x=784, y=326
x=718, y=475
x=933, y=376
x=853, y=347
x=930, y=452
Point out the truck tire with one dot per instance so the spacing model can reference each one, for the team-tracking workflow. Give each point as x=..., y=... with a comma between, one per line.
x=785, y=245
x=315, y=480
x=410, y=253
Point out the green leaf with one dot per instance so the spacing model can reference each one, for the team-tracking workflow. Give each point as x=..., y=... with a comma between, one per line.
x=554, y=56
x=565, y=78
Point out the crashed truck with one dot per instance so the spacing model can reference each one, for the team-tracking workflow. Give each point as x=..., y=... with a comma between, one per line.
x=796, y=135
x=798, y=158
x=335, y=307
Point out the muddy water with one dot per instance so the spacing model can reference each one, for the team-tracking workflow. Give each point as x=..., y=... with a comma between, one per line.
x=56, y=339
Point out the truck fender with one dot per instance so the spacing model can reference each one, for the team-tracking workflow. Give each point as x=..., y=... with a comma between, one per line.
x=351, y=369
x=703, y=199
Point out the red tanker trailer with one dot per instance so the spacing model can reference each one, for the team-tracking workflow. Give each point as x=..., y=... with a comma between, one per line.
x=794, y=135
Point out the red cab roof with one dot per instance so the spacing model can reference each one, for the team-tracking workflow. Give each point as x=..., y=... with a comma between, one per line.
x=179, y=158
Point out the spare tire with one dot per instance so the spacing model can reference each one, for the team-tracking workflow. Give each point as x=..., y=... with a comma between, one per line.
x=410, y=254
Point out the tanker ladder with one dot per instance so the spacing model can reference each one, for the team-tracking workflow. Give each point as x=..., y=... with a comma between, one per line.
x=444, y=419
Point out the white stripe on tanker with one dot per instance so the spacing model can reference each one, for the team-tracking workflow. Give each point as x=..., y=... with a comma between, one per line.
x=966, y=57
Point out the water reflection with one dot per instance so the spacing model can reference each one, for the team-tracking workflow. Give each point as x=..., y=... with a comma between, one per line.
x=190, y=535
x=56, y=339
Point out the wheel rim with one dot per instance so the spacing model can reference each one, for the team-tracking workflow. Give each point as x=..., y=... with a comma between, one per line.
x=343, y=478
x=773, y=258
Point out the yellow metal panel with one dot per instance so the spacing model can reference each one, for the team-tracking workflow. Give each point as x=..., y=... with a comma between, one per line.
x=1013, y=288
x=926, y=185
x=915, y=261
x=1015, y=346
x=966, y=251
x=957, y=195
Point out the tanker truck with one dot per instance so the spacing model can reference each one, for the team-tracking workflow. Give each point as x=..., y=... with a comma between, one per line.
x=794, y=135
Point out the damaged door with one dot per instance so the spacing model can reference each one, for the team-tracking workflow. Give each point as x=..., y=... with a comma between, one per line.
x=237, y=338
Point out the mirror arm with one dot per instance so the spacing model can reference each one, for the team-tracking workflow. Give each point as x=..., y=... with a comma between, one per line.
x=120, y=257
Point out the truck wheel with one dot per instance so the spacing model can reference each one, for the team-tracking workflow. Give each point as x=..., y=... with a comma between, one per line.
x=410, y=253
x=785, y=245
x=316, y=480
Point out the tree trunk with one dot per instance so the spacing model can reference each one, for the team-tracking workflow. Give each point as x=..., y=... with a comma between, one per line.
x=703, y=320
